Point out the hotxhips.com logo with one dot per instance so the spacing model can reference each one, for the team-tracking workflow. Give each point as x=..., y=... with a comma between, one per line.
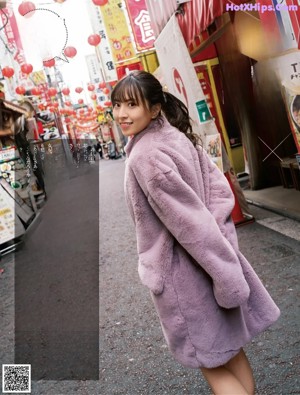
x=260, y=7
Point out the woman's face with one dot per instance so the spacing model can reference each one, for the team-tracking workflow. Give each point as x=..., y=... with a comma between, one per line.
x=133, y=117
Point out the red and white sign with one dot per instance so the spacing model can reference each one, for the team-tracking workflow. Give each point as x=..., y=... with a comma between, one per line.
x=179, y=73
x=11, y=30
x=141, y=24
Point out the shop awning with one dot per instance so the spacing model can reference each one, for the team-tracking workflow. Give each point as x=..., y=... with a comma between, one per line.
x=196, y=17
x=13, y=107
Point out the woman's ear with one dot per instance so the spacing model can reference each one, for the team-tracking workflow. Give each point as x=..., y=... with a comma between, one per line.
x=155, y=110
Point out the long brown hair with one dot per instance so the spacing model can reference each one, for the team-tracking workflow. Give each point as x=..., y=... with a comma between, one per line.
x=144, y=88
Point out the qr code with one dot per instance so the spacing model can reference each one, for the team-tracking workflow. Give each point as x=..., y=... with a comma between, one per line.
x=16, y=379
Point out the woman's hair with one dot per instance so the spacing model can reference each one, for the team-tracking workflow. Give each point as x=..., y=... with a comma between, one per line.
x=143, y=88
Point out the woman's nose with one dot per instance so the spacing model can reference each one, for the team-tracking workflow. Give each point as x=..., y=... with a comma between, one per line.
x=122, y=111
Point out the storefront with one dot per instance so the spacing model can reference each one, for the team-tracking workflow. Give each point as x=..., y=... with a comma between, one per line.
x=233, y=53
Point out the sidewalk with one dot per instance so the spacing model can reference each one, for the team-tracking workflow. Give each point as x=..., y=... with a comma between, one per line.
x=283, y=201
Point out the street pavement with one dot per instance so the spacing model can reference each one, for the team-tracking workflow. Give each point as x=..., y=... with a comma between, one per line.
x=134, y=359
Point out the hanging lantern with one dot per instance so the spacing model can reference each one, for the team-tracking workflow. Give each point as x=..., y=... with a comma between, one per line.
x=94, y=96
x=55, y=104
x=107, y=103
x=80, y=101
x=81, y=111
x=36, y=91
x=100, y=2
x=112, y=83
x=49, y=63
x=66, y=91
x=99, y=108
x=8, y=72
x=70, y=52
x=79, y=89
x=20, y=90
x=52, y=92
x=52, y=109
x=68, y=103
x=26, y=68
x=102, y=85
x=26, y=9
x=105, y=91
x=91, y=87
x=94, y=39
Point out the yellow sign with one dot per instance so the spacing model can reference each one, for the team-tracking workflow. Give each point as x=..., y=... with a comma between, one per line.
x=117, y=31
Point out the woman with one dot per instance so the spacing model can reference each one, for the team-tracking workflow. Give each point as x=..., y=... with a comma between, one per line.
x=208, y=298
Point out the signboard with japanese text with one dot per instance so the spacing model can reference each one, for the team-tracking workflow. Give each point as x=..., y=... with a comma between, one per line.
x=104, y=53
x=141, y=24
x=287, y=68
x=117, y=31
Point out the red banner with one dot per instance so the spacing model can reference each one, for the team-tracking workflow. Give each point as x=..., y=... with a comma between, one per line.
x=141, y=24
x=14, y=43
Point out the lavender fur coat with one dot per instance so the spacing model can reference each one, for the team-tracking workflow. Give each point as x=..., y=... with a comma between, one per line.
x=208, y=298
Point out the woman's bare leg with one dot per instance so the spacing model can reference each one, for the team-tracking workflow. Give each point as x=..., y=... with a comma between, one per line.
x=223, y=382
x=234, y=378
x=240, y=367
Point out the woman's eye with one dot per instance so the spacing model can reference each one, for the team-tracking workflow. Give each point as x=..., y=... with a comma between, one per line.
x=131, y=104
x=116, y=105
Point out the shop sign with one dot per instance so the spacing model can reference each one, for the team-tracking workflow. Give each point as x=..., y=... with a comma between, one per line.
x=117, y=31
x=179, y=73
x=203, y=111
x=9, y=154
x=11, y=30
x=287, y=68
x=141, y=24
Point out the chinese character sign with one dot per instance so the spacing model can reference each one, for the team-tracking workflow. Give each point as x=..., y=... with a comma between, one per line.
x=141, y=24
x=117, y=31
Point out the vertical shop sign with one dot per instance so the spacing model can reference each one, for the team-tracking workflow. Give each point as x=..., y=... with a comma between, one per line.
x=104, y=62
x=141, y=24
x=294, y=11
x=117, y=31
x=11, y=30
x=285, y=24
x=180, y=75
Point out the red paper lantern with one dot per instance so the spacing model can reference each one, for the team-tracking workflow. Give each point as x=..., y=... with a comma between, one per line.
x=100, y=2
x=26, y=8
x=49, y=63
x=99, y=108
x=107, y=103
x=68, y=103
x=52, y=92
x=105, y=91
x=94, y=39
x=91, y=87
x=70, y=52
x=55, y=104
x=26, y=68
x=20, y=90
x=94, y=96
x=52, y=109
x=8, y=72
x=80, y=101
x=66, y=91
x=41, y=106
x=102, y=85
x=36, y=91
x=79, y=89
x=81, y=111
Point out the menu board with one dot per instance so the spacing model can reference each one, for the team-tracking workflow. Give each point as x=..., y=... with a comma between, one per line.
x=10, y=225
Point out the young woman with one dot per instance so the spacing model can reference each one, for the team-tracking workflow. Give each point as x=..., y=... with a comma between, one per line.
x=208, y=298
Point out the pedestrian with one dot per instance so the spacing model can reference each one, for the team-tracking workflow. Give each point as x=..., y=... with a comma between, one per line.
x=98, y=148
x=208, y=298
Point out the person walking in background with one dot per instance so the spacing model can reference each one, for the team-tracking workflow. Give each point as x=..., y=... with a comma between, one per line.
x=99, y=149
x=208, y=298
